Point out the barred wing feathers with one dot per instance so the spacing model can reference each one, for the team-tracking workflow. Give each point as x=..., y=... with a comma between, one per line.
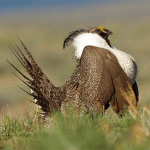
x=112, y=84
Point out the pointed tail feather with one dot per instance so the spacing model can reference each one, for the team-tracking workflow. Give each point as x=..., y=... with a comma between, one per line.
x=45, y=94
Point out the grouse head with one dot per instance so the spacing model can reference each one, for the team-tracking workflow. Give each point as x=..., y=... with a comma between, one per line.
x=104, y=33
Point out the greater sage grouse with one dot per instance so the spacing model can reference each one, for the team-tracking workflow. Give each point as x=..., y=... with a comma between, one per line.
x=103, y=76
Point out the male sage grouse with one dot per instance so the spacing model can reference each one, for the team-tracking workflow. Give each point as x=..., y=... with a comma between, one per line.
x=103, y=76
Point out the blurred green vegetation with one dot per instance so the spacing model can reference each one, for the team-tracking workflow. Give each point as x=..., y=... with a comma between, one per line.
x=72, y=130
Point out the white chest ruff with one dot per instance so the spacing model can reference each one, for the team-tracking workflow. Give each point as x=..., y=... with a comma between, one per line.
x=126, y=61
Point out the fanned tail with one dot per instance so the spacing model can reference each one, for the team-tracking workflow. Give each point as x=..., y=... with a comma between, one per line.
x=45, y=94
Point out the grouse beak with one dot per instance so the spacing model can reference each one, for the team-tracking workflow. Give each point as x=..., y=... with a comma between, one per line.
x=110, y=33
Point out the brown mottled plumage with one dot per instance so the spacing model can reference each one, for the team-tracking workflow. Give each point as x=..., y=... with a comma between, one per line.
x=97, y=82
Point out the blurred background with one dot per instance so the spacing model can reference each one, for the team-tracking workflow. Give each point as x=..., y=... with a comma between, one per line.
x=44, y=24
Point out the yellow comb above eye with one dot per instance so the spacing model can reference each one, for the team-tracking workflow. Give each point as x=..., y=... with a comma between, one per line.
x=99, y=27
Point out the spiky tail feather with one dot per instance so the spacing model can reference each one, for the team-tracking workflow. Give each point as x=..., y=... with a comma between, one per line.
x=45, y=94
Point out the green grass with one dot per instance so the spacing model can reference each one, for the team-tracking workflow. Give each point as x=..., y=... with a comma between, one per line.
x=74, y=131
